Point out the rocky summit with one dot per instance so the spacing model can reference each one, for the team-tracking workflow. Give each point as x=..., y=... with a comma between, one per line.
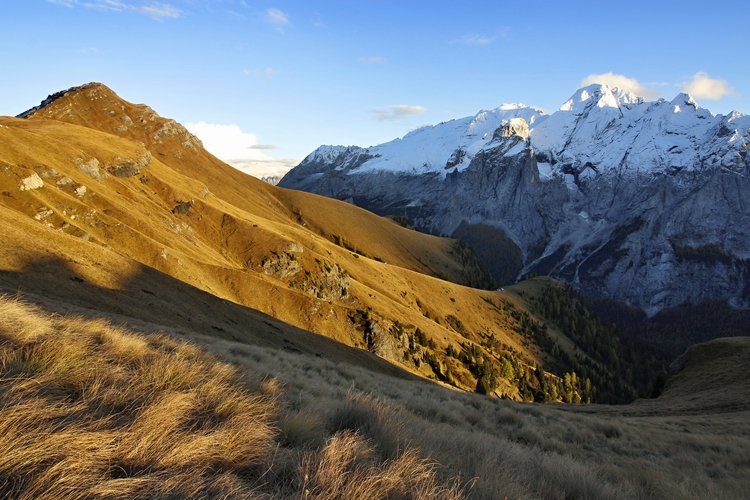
x=642, y=202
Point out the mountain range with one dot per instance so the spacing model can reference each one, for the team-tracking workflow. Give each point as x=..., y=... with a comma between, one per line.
x=636, y=201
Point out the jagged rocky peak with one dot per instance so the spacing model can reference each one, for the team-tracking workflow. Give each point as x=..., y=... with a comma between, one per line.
x=96, y=106
x=683, y=99
x=514, y=127
x=95, y=89
x=602, y=96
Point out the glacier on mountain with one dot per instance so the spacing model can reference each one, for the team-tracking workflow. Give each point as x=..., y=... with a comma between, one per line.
x=663, y=186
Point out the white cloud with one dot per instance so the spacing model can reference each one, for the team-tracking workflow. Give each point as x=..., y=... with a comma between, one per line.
x=155, y=10
x=371, y=60
x=276, y=18
x=396, y=112
x=622, y=82
x=240, y=149
x=704, y=87
x=264, y=168
x=475, y=40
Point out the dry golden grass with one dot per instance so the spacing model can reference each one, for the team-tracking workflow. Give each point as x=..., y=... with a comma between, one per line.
x=88, y=410
x=407, y=476
x=663, y=448
x=93, y=411
x=107, y=237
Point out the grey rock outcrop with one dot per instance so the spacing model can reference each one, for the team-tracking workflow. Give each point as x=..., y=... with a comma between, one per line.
x=91, y=168
x=126, y=167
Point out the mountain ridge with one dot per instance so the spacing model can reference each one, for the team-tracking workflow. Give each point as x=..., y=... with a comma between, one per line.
x=594, y=194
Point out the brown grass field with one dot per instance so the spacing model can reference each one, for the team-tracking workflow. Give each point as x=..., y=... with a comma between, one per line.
x=173, y=328
x=92, y=410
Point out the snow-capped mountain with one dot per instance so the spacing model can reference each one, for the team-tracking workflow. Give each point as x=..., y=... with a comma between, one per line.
x=646, y=202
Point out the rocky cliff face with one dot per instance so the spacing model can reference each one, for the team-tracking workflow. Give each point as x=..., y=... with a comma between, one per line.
x=645, y=202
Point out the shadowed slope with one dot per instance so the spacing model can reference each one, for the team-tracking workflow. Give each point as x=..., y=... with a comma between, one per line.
x=711, y=378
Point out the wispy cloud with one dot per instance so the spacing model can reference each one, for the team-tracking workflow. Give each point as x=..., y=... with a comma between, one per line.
x=371, y=60
x=155, y=10
x=704, y=87
x=475, y=40
x=396, y=112
x=262, y=146
x=276, y=18
x=621, y=82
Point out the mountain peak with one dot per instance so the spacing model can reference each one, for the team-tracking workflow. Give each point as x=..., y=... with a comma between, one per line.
x=57, y=95
x=683, y=99
x=601, y=95
x=511, y=106
x=660, y=179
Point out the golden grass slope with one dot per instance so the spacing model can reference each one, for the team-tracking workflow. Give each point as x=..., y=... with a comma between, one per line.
x=92, y=411
x=83, y=405
x=105, y=177
x=65, y=273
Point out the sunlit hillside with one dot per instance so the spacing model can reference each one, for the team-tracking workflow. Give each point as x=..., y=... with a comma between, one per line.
x=109, y=206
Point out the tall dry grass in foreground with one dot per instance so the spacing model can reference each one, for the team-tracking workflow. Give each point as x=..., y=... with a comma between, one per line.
x=653, y=449
x=88, y=410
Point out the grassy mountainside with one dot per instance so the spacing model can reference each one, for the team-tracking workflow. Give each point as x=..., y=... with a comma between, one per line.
x=84, y=405
x=105, y=202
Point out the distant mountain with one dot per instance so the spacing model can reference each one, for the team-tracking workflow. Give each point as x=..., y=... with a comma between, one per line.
x=643, y=202
x=272, y=179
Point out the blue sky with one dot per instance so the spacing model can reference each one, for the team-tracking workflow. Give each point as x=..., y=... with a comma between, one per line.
x=265, y=83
